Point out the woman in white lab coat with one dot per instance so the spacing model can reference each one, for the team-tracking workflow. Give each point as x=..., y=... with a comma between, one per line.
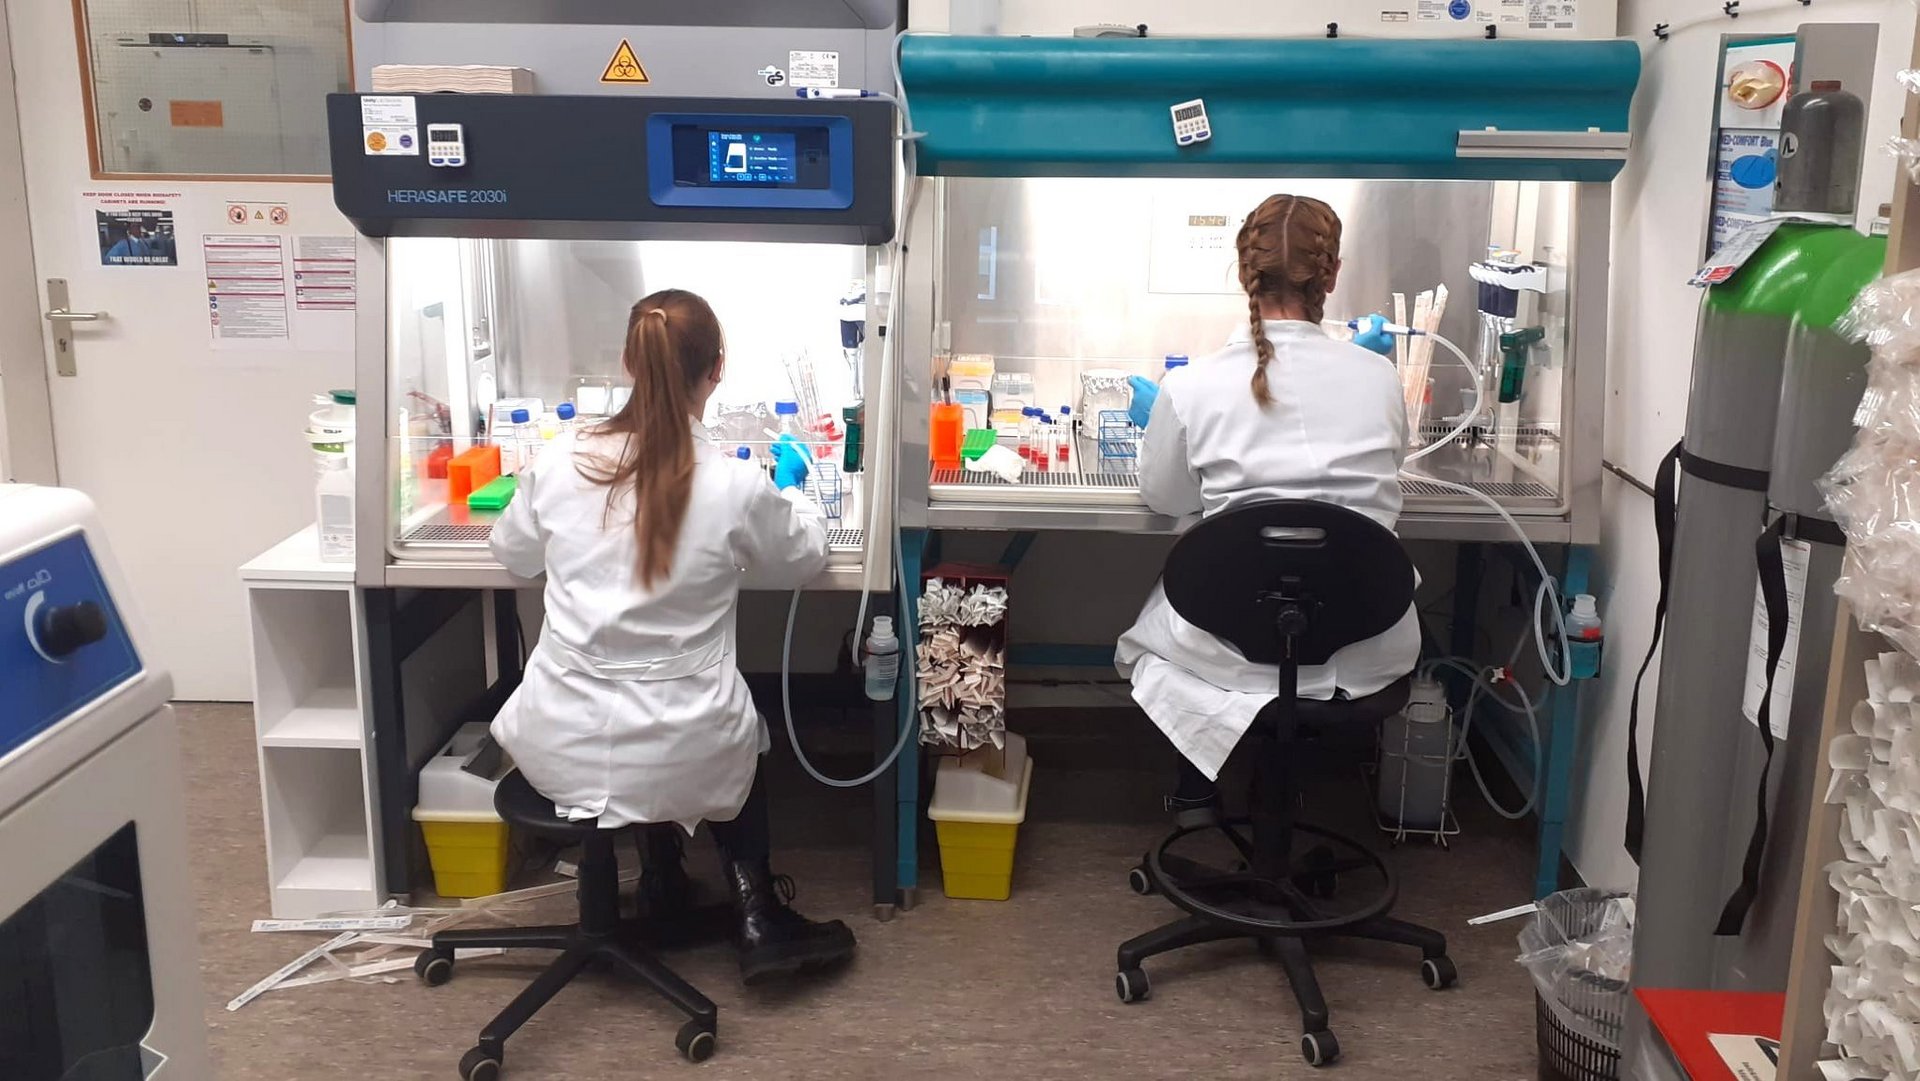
x=632, y=709
x=1283, y=412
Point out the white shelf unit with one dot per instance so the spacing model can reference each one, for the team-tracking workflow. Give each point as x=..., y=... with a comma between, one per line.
x=311, y=728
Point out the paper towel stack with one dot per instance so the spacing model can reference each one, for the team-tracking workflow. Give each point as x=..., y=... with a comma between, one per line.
x=961, y=666
x=451, y=78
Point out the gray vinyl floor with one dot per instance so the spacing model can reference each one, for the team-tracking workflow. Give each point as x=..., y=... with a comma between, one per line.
x=951, y=989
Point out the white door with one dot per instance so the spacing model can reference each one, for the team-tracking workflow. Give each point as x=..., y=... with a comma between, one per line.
x=190, y=445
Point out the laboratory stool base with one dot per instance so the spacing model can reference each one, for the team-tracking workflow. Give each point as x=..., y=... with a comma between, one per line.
x=621, y=951
x=1281, y=910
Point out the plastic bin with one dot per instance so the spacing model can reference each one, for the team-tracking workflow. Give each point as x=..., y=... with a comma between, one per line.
x=1578, y=947
x=977, y=817
x=467, y=843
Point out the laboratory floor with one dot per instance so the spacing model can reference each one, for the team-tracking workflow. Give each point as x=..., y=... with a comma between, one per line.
x=952, y=989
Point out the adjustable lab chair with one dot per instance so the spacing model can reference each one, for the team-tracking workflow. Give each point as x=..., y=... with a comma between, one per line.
x=601, y=935
x=1287, y=583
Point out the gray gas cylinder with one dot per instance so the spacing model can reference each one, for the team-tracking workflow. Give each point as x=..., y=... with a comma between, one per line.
x=1821, y=131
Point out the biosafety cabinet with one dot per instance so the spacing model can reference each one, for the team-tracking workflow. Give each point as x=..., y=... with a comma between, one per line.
x=1063, y=237
x=505, y=237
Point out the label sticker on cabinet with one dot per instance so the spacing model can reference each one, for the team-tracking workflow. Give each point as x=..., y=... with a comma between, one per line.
x=815, y=69
x=1552, y=14
x=391, y=140
x=624, y=67
x=388, y=111
x=1395, y=16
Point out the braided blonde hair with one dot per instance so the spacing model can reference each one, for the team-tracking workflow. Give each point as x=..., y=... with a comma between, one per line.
x=1289, y=253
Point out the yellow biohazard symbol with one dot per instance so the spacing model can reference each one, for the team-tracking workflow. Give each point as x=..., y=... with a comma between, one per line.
x=624, y=67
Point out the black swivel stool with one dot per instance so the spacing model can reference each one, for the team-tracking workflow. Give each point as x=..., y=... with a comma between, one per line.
x=1287, y=583
x=599, y=936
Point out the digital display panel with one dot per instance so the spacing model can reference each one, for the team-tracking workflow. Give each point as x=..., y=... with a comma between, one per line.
x=752, y=157
x=761, y=161
x=1187, y=113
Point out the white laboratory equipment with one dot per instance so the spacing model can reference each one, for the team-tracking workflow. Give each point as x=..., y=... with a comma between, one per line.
x=98, y=923
x=506, y=283
x=1080, y=262
x=530, y=304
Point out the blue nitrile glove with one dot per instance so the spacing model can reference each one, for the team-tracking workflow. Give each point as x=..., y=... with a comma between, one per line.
x=791, y=463
x=1370, y=336
x=1145, y=393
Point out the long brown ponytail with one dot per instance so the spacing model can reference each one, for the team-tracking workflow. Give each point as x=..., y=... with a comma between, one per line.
x=673, y=343
x=1289, y=254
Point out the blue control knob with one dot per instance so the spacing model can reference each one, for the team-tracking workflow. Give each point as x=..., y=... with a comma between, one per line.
x=61, y=630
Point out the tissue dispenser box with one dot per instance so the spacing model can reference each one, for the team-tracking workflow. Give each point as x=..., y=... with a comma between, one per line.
x=467, y=842
x=979, y=801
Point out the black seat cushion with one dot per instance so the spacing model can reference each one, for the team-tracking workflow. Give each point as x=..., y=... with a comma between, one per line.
x=520, y=805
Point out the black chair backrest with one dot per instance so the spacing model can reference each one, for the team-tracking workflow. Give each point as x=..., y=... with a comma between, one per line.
x=1351, y=571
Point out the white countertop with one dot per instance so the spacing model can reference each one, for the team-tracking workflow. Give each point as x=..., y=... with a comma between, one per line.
x=296, y=559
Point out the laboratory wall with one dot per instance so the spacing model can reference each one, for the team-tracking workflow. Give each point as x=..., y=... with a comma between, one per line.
x=26, y=423
x=1660, y=209
x=191, y=447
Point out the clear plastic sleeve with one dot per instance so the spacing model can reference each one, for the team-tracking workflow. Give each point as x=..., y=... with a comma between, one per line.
x=1873, y=491
x=1579, y=947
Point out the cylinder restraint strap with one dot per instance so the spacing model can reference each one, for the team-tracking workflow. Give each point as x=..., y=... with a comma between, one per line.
x=1665, y=507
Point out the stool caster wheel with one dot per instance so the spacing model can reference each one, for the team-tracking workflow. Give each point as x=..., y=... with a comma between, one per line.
x=1438, y=973
x=1317, y=877
x=480, y=1064
x=1139, y=881
x=1131, y=985
x=696, y=1041
x=434, y=967
x=1319, y=1048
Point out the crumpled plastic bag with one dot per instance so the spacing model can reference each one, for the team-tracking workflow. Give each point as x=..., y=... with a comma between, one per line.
x=1578, y=946
x=1872, y=1005
x=1873, y=491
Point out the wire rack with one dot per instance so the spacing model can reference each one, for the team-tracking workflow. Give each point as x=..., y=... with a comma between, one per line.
x=1117, y=438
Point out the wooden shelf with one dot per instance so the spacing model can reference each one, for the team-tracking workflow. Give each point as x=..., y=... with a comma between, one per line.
x=328, y=717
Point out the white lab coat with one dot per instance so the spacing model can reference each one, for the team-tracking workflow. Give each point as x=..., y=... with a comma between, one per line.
x=632, y=708
x=1336, y=431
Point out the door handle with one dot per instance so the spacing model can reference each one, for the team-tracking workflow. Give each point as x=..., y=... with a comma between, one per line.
x=61, y=314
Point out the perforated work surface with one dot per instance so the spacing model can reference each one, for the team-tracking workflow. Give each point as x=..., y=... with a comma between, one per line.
x=1049, y=479
x=1496, y=489
x=449, y=533
x=477, y=533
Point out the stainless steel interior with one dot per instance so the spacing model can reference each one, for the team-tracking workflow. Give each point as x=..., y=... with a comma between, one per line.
x=470, y=322
x=1055, y=276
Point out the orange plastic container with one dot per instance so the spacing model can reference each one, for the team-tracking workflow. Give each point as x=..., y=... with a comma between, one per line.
x=946, y=433
x=469, y=471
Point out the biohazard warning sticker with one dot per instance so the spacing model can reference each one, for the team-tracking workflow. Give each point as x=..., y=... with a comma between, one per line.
x=625, y=66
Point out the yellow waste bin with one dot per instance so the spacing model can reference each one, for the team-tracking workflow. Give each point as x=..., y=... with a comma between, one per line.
x=977, y=838
x=468, y=852
x=467, y=842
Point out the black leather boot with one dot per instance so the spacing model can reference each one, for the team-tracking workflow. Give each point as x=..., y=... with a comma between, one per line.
x=773, y=939
x=666, y=891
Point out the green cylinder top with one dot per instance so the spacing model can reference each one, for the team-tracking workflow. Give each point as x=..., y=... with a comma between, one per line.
x=1805, y=271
